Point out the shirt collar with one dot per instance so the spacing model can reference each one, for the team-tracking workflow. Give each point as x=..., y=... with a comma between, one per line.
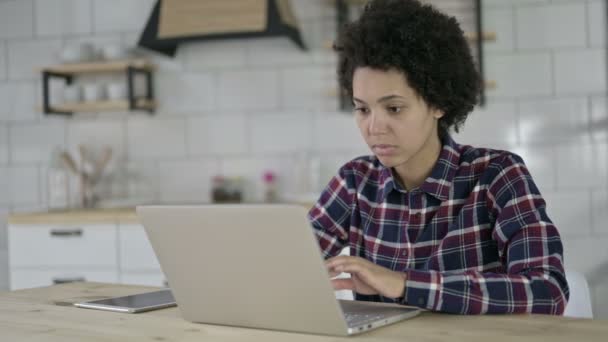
x=438, y=183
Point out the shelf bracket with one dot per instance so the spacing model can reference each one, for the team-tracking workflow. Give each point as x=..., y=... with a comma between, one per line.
x=46, y=79
x=131, y=72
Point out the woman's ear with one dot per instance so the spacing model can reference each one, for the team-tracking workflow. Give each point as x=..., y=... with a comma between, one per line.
x=437, y=113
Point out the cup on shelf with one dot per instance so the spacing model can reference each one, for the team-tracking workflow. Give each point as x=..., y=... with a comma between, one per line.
x=93, y=92
x=116, y=91
x=114, y=52
x=76, y=53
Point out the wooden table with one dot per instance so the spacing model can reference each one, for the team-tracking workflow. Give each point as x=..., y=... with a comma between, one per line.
x=46, y=314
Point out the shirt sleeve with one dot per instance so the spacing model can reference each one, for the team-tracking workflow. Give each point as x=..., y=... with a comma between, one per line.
x=331, y=215
x=529, y=247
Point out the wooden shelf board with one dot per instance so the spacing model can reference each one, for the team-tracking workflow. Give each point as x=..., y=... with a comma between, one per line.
x=102, y=66
x=100, y=106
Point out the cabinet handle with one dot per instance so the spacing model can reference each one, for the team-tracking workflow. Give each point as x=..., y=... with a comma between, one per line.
x=68, y=280
x=66, y=232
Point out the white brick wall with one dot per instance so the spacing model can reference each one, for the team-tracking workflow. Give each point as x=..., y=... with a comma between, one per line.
x=248, y=89
x=3, y=145
x=3, y=63
x=63, y=17
x=16, y=19
x=120, y=16
x=31, y=143
x=18, y=101
x=156, y=138
x=590, y=78
x=240, y=107
x=543, y=26
x=25, y=56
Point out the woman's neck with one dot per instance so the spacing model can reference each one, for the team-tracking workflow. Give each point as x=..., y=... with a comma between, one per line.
x=415, y=171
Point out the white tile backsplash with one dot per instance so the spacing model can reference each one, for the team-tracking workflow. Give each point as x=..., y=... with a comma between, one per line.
x=599, y=207
x=587, y=255
x=118, y=15
x=281, y=133
x=600, y=293
x=543, y=26
x=495, y=123
x=33, y=143
x=187, y=181
x=510, y=3
x=213, y=54
x=599, y=119
x=519, y=75
x=337, y=132
x=554, y=120
x=541, y=162
x=596, y=22
x=5, y=197
x=570, y=212
x=60, y=17
x=308, y=88
x=3, y=61
x=580, y=72
x=3, y=234
x=185, y=92
x=218, y=135
x=582, y=166
x=248, y=90
x=500, y=21
x=4, y=144
x=23, y=185
x=16, y=19
x=274, y=51
x=149, y=138
x=18, y=101
x=28, y=56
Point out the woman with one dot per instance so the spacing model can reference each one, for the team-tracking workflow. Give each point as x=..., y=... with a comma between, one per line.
x=429, y=222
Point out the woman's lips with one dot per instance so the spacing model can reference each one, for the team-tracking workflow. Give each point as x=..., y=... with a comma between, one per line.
x=384, y=150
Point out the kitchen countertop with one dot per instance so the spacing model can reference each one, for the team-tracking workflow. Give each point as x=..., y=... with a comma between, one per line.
x=84, y=216
x=47, y=314
x=76, y=216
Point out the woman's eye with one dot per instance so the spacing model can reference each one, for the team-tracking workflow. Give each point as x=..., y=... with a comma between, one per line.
x=361, y=110
x=394, y=109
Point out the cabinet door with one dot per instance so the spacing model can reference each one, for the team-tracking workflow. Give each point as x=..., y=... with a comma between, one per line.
x=62, y=245
x=136, y=253
x=28, y=278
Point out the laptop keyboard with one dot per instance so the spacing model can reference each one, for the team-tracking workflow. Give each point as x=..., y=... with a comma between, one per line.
x=357, y=313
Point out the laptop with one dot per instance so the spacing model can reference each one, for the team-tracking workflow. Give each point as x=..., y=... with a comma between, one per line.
x=256, y=266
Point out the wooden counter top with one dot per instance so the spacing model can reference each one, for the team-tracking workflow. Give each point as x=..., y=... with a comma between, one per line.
x=76, y=216
x=46, y=314
x=84, y=216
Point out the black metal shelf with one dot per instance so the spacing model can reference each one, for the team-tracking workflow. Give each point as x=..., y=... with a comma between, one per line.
x=131, y=68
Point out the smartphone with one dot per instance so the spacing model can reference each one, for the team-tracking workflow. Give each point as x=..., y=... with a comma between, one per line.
x=134, y=303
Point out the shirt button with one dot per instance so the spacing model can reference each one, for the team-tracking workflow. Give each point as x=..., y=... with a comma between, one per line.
x=421, y=301
x=404, y=252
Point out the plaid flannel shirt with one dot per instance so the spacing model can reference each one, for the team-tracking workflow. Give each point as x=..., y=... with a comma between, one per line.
x=473, y=238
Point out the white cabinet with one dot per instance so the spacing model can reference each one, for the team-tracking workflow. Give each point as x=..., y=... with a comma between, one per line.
x=46, y=254
x=42, y=255
x=138, y=263
x=136, y=253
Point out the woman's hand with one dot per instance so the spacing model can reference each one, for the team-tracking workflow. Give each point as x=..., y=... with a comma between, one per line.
x=366, y=277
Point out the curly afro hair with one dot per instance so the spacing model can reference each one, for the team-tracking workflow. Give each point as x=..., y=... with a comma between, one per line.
x=428, y=47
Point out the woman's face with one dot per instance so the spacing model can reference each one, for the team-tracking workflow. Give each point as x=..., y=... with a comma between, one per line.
x=395, y=122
